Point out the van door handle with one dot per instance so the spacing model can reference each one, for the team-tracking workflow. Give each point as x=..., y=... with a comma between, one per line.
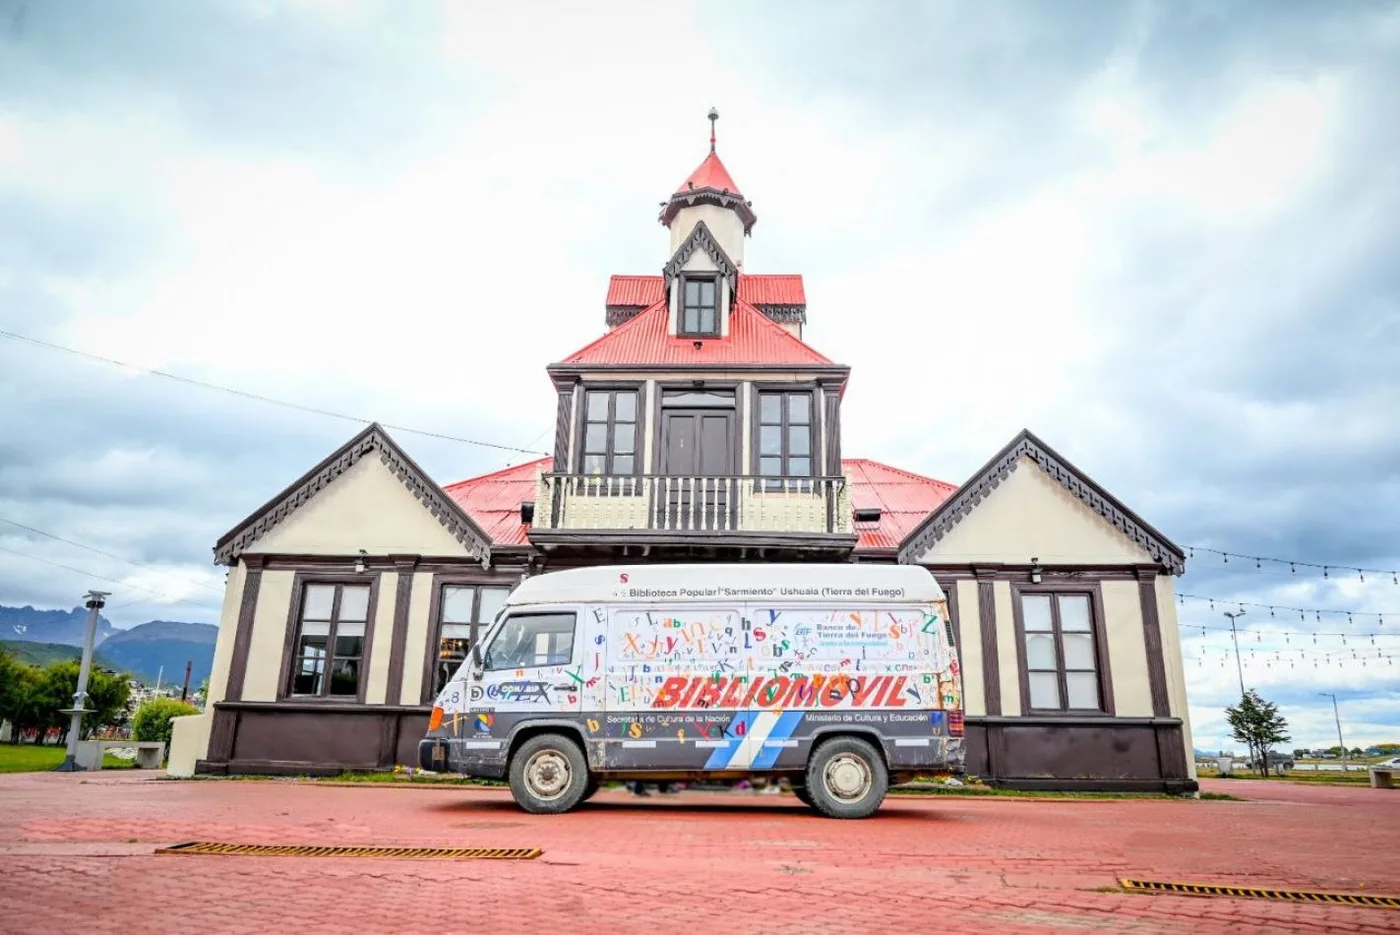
x=566, y=686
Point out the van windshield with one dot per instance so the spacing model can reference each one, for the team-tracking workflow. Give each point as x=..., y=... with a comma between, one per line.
x=527, y=640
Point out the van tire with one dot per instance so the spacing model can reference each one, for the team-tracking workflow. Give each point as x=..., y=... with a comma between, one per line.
x=548, y=775
x=846, y=778
x=803, y=796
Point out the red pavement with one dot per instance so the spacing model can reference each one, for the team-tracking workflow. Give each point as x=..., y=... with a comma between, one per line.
x=76, y=855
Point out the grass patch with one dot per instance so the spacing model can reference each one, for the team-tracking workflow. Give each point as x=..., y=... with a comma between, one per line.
x=1220, y=797
x=1318, y=778
x=981, y=791
x=32, y=758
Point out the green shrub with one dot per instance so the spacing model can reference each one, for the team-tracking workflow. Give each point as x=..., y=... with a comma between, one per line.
x=152, y=720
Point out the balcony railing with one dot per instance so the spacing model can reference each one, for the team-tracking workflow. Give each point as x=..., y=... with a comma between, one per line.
x=716, y=504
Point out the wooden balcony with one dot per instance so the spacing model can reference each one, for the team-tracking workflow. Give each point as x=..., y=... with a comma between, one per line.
x=742, y=511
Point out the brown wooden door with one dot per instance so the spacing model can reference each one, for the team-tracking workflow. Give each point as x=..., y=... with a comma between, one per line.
x=697, y=461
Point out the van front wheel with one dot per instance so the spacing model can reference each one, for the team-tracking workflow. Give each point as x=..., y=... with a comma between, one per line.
x=548, y=774
x=846, y=778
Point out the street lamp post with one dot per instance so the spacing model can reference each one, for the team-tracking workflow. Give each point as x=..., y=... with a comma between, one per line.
x=1238, y=667
x=95, y=602
x=1338, y=717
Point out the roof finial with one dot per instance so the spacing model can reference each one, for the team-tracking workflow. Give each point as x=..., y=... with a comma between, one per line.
x=714, y=115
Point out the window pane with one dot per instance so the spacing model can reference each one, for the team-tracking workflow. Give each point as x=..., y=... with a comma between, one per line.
x=799, y=440
x=310, y=665
x=319, y=598
x=353, y=645
x=516, y=645
x=1074, y=612
x=595, y=438
x=770, y=440
x=1079, y=650
x=692, y=292
x=354, y=603
x=1040, y=651
x=345, y=677
x=1083, y=690
x=691, y=321
x=457, y=604
x=491, y=601
x=770, y=467
x=315, y=628
x=626, y=407
x=1045, y=690
x=707, y=292
x=593, y=464
x=770, y=408
x=624, y=438
x=597, y=407
x=1035, y=611
x=800, y=408
x=623, y=464
x=707, y=319
x=800, y=467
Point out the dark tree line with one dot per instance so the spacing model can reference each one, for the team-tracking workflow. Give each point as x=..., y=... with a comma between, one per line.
x=31, y=697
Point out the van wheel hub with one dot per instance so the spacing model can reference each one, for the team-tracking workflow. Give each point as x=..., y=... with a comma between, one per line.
x=548, y=774
x=847, y=777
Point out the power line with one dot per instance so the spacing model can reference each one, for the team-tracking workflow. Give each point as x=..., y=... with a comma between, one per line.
x=263, y=399
x=98, y=551
x=125, y=584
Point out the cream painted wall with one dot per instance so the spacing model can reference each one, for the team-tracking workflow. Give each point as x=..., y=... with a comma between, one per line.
x=1176, y=675
x=228, y=632
x=416, y=646
x=377, y=675
x=970, y=652
x=725, y=224
x=1127, y=649
x=1006, y=649
x=269, y=636
x=368, y=508
x=1030, y=515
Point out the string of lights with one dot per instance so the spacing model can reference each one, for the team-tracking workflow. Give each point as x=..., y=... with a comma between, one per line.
x=1294, y=564
x=1189, y=629
x=1302, y=612
x=125, y=584
x=97, y=551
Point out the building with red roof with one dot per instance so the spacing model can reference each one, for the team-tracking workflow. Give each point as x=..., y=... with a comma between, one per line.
x=698, y=426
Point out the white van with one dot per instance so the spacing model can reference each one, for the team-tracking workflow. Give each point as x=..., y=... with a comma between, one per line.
x=840, y=678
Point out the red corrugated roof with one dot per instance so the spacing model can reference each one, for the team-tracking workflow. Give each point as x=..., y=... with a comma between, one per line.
x=639, y=291
x=904, y=499
x=772, y=290
x=493, y=500
x=753, y=339
x=710, y=174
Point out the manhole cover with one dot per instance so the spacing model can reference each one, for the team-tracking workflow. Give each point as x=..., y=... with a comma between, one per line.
x=310, y=850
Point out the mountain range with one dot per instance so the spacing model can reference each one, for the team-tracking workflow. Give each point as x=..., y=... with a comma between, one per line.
x=159, y=648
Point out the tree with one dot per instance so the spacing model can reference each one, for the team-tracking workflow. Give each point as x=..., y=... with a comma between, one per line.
x=107, y=695
x=1256, y=722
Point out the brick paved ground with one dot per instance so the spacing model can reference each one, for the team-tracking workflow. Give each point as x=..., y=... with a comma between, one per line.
x=76, y=856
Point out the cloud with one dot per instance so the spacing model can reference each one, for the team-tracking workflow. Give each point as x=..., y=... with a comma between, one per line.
x=1158, y=234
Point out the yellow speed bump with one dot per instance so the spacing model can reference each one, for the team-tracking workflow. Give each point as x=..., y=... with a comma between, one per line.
x=1254, y=892
x=310, y=850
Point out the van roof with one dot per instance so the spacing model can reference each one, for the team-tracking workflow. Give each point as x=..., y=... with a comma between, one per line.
x=795, y=583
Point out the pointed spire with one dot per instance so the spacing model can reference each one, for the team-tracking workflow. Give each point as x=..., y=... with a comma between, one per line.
x=710, y=183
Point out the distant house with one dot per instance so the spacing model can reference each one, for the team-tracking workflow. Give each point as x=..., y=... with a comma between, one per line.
x=699, y=426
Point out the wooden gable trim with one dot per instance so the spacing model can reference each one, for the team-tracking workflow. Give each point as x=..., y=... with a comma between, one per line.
x=956, y=508
x=700, y=238
x=373, y=439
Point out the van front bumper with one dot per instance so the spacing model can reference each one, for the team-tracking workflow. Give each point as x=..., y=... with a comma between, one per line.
x=442, y=755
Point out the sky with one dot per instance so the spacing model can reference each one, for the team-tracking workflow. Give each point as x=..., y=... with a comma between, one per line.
x=1162, y=236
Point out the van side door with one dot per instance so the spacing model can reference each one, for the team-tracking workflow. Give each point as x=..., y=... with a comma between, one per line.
x=530, y=672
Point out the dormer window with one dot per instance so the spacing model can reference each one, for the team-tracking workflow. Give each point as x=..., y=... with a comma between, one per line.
x=699, y=306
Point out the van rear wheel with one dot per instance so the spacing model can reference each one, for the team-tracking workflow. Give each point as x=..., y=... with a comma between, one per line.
x=846, y=778
x=548, y=775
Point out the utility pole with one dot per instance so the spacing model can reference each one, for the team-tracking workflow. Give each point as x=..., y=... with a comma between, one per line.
x=1232, y=615
x=185, y=692
x=95, y=602
x=1338, y=717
